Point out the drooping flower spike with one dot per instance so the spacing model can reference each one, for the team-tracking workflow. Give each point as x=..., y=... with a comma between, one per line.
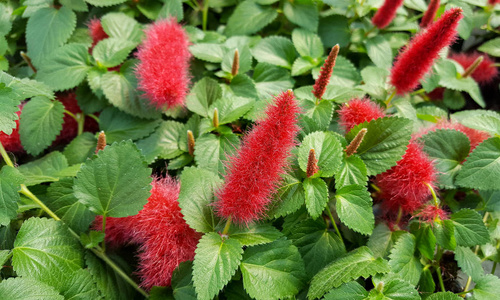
x=163, y=71
x=485, y=71
x=357, y=111
x=254, y=172
x=417, y=58
x=386, y=13
x=430, y=13
x=321, y=83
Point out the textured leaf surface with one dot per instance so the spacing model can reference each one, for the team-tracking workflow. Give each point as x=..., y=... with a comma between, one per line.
x=249, y=17
x=327, y=149
x=80, y=286
x=290, y=197
x=395, y=290
x=120, y=126
x=45, y=169
x=116, y=183
x=347, y=291
x=352, y=170
x=316, y=192
x=275, y=50
x=469, y=228
x=469, y=262
x=255, y=234
x=20, y=288
x=121, y=26
x=354, y=208
x=403, y=261
x=163, y=143
x=80, y=148
x=9, y=195
x=444, y=296
x=272, y=271
x=8, y=109
x=212, y=152
x=488, y=287
x=111, y=52
x=202, y=95
x=215, y=262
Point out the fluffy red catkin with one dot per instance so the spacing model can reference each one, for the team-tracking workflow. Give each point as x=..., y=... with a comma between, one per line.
x=357, y=111
x=485, y=72
x=319, y=87
x=254, y=172
x=163, y=71
x=476, y=137
x=405, y=185
x=493, y=2
x=430, y=13
x=119, y=231
x=12, y=142
x=430, y=213
x=97, y=33
x=386, y=13
x=417, y=58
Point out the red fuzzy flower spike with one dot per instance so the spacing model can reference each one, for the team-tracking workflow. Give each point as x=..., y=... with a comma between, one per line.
x=484, y=73
x=166, y=238
x=431, y=213
x=163, y=71
x=357, y=111
x=476, y=137
x=493, y=2
x=430, y=13
x=405, y=185
x=119, y=231
x=254, y=173
x=325, y=73
x=12, y=142
x=97, y=33
x=386, y=13
x=417, y=58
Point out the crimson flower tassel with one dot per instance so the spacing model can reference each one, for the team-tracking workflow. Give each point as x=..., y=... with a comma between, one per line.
x=357, y=111
x=254, y=172
x=484, y=73
x=432, y=213
x=417, y=58
x=319, y=87
x=430, y=13
x=97, y=33
x=163, y=71
x=386, y=13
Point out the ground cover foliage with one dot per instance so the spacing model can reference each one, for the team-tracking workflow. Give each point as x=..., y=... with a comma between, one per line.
x=257, y=149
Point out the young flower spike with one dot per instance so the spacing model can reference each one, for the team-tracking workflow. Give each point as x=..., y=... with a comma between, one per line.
x=97, y=33
x=430, y=13
x=254, y=172
x=430, y=213
x=485, y=71
x=417, y=58
x=312, y=164
x=357, y=111
x=406, y=185
x=386, y=13
x=319, y=87
x=163, y=71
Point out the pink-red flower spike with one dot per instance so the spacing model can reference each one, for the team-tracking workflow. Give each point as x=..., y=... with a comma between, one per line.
x=97, y=33
x=321, y=83
x=119, y=231
x=430, y=13
x=386, y=13
x=357, y=111
x=163, y=71
x=485, y=71
x=12, y=142
x=417, y=58
x=431, y=213
x=254, y=172
x=406, y=185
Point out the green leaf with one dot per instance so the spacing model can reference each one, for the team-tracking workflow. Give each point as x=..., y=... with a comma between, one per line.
x=275, y=50
x=111, y=52
x=202, y=95
x=444, y=296
x=426, y=241
x=212, y=152
x=92, y=239
x=321, y=113
x=9, y=195
x=196, y=197
x=487, y=287
x=271, y=80
x=352, y=171
x=444, y=231
x=80, y=148
x=469, y=262
x=357, y=263
x=303, y=13
x=382, y=240
x=182, y=281
x=41, y=121
x=25, y=88
x=301, y=66
x=171, y=9
x=45, y=250
x=65, y=67
x=491, y=200
x=245, y=62
x=395, y=290
x=307, y=43
x=213, y=53
x=101, y=3
x=215, y=262
x=272, y=271
x=482, y=167
x=403, y=261
x=488, y=123
x=384, y=144
x=354, y=208
x=121, y=91
x=114, y=183
x=76, y=5
x=120, y=126
x=180, y=161
x=8, y=110
x=345, y=74
x=80, y=286
x=163, y=143
x=316, y=192
x=492, y=47
x=469, y=228
x=379, y=51
x=327, y=149
x=348, y=291
x=255, y=234
x=65, y=205
x=4, y=256
x=334, y=30
x=231, y=109
x=317, y=245
x=121, y=26
x=448, y=149
x=290, y=197
x=243, y=86
x=248, y=18
x=21, y=288
x=45, y=169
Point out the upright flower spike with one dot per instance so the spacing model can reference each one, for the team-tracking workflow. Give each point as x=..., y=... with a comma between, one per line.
x=357, y=111
x=430, y=13
x=236, y=63
x=386, y=13
x=406, y=185
x=312, y=164
x=356, y=141
x=190, y=142
x=101, y=142
x=97, y=33
x=417, y=58
x=163, y=71
x=485, y=71
x=254, y=172
x=319, y=87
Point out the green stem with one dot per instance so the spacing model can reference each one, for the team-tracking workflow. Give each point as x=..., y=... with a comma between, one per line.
x=494, y=268
x=388, y=101
x=25, y=191
x=400, y=215
x=440, y=278
x=333, y=223
x=226, y=228
x=205, y=14
x=5, y=156
x=94, y=117
x=434, y=197
x=420, y=91
x=80, y=119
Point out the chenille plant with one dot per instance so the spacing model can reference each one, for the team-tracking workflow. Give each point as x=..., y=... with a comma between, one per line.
x=249, y=149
